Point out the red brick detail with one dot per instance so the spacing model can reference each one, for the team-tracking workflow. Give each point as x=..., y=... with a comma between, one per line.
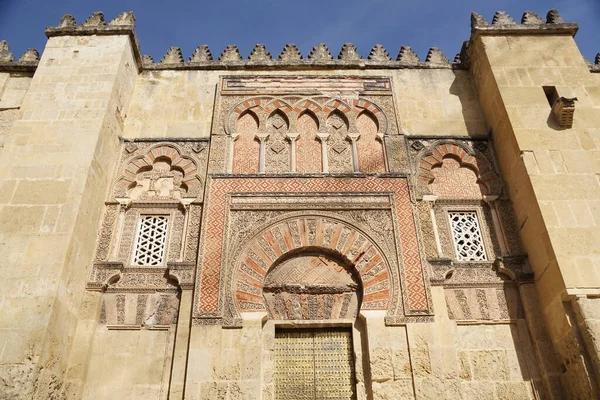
x=308, y=148
x=246, y=149
x=453, y=182
x=214, y=225
x=369, y=146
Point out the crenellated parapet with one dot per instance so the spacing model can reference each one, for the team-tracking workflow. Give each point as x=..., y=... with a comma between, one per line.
x=320, y=56
x=595, y=66
x=26, y=63
x=531, y=23
x=122, y=24
x=503, y=24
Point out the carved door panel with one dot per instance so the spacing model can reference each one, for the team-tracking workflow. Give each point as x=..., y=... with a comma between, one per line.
x=314, y=364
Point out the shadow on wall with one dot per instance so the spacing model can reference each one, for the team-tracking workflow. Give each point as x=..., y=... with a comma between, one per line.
x=464, y=88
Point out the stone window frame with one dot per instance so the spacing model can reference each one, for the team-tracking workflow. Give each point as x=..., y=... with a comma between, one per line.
x=359, y=334
x=442, y=210
x=136, y=241
x=479, y=233
x=129, y=231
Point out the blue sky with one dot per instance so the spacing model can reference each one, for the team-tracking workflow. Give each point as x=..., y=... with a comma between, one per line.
x=392, y=23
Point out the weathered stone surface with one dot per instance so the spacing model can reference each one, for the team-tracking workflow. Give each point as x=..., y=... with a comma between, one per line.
x=201, y=54
x=103, y=143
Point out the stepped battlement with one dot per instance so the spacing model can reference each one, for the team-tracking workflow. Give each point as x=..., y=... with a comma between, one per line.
x=290, y=57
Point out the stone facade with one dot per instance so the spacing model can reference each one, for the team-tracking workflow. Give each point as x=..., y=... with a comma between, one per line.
x=238, y=228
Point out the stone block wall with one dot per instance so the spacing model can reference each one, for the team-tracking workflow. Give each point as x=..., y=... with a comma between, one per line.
x=79, y=144
x=55, y=165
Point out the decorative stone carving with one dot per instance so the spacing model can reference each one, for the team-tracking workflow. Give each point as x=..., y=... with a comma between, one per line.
x=407, y=56
x=167, y=171
x=320, y=53
x=443, y=208
x=308, y=148
x=531, y=18
x=277, y=152
x=96, y=19
x=339, y=153
x=246, y=151
x=379, y=53
x=443, y=156
x=105, y=235
x=427, y=230
x=484, y=304
x=349, y=53
x=290, y=53
x=31, y=55
x=124, y=19
x=477, y=21
x=260, y=53
x=5, y=54
x=201, y=54
x=147, y=60
x=230, y=54
x=67, y=21
x=370, y=145
x=173, y=56
x=136, y=311
x=249, y=129
x=553, y=17
x=502, y=18
x=193, y=233
x=397, y=157
x=215, y=307
x=293, y=277
x=435, y=56
x=311, y=286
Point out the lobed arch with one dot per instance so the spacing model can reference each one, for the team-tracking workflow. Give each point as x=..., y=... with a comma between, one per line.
x=295, y=236
x=473, y=160
x=170, y=153
x=375, y=112
x=265, y=105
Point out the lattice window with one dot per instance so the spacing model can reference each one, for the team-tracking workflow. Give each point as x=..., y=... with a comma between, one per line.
x=468, y=241
x=151, y=239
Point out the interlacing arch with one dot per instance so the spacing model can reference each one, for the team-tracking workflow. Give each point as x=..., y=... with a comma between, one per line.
x=337, y=154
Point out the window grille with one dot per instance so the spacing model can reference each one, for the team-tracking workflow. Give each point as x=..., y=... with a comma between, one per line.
x=151, y=240
x=468, y=241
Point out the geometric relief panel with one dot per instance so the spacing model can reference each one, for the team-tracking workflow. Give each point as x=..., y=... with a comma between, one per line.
x=208, y=300
x=453, y=181
x=484, y=304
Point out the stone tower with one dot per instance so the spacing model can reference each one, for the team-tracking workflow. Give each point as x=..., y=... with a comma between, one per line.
x=289, y=227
